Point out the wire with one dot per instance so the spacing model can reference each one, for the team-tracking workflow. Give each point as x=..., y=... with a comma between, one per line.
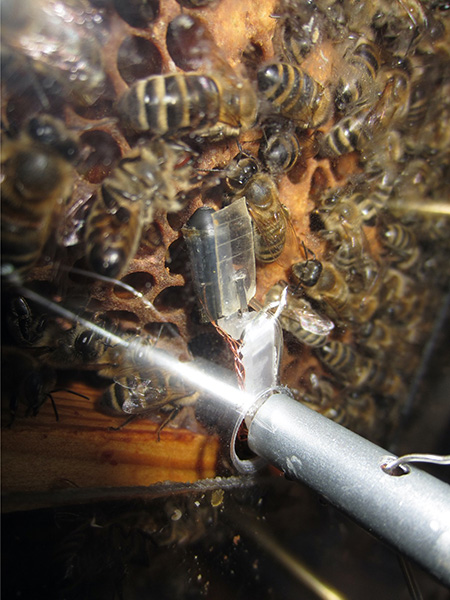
x=391, y=465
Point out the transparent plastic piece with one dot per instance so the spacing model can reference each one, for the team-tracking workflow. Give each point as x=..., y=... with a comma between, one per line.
x=222, y=258
x=261, y=352
x=235, y=256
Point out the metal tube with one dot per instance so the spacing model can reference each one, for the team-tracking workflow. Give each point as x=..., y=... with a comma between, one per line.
x=411, y=511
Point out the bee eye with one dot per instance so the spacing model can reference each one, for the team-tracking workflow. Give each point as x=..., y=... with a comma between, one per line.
x=43, y=132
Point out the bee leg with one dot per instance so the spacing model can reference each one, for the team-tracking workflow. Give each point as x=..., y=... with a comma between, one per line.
x=54, y=406
x=124, y=424
x=173, y=413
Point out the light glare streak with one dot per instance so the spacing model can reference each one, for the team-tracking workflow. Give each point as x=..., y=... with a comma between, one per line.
x=150, y=357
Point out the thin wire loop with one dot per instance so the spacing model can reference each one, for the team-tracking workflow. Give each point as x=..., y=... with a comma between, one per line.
x=391, y=465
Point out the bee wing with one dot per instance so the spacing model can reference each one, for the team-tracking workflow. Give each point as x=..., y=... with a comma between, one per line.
x=270, y=234
x=69, y=229
x=143, y=394
x=313, y=322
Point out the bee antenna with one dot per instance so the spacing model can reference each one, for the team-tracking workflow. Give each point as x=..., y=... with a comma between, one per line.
x=307, y=251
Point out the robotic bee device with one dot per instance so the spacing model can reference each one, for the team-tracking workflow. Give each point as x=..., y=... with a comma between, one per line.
x=258, y=187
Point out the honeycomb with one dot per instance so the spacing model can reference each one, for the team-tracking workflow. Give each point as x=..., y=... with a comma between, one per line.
x=74, y=60
x=119, y=44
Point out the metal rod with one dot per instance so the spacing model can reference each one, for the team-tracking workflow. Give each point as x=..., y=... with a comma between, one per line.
x=410, y=511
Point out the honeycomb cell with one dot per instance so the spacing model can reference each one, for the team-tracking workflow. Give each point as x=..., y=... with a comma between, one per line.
x=319, y=183
x=176, y=257
x=137, y=13
x=140, y=281
x=138, y=58
x=152, y=238
x=102, y=107
x=189, y=43
x=170, y=298
x=125, y=318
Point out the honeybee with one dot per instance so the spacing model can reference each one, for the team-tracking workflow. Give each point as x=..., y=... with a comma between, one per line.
x=400, y=239
x=37, y=179
x=59, y=344
x=26, y=383
x=26, y=328
x=329, y=285
x=320, y=396
x=143, y=181
x=360, y=130
x=294, y=94
x=299, y=318
x=298, y=33
x=140, y=394
x=361, y=410
x=322, y=281
x=399, y=297
x=359, y=371
x=319, y=392
x=361, y=68
x=180, y=104
x=395, y=20
x=377, y=336
x=382, y=185
x=270, y=217
x=343, y=221
x=422, y=86
x=61, y=47
x=78, y=347
x=282, y=148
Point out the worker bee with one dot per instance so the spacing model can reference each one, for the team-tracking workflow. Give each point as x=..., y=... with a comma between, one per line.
x=358, y=370
x=360, y=130
x=343, y=221
x=319, y=392
x=337, y=291
x=298, y=33
x=400, y=24
x=60, y=344
x=270, y=217
x=26, y=384
x=143, y=181
x=282, y=148
x=25, y=327
x=299, y=318
x=212, y=102
x=190, y=103
x=294, y=94
x=361, y=410
x=401, y=240
x=377, y=336
x=37, y=179
x=321, y=281
x=356, y=84
x=79, y=347
x=61, y=48
x=140, y=394
x=399, y=297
